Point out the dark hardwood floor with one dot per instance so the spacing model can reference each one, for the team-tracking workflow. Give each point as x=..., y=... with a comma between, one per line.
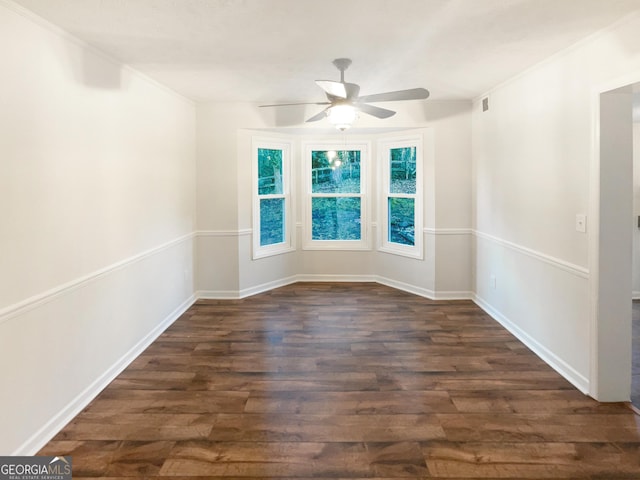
x=328, y=380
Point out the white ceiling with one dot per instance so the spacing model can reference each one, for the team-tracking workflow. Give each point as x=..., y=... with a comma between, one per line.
x=273, y=50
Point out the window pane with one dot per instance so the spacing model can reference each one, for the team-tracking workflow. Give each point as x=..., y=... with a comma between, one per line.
x=335, y=171
x=335, y=218
x=269, y=171
x=271, y=221
x=402, y=228
x=403, y=170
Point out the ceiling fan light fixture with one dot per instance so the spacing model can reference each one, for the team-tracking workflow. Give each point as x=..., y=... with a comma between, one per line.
x=342, y=116
x=345, y=103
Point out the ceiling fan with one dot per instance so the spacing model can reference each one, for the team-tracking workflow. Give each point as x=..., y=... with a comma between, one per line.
x=344, y=101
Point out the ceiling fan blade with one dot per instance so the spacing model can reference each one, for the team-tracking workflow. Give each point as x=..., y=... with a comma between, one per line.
x=376, y=111
x=291, y=104
x=410, y=94
x=317, y=116
x=352, y=90
x=335, y=89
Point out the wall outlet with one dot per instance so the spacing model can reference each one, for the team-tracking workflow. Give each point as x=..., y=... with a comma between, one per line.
x=492, y=281
x=581, y=223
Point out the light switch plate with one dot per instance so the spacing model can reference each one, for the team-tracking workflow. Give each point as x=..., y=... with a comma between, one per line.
x=581, y=223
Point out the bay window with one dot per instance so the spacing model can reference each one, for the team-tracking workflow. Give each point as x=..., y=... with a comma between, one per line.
x=336, y=206
x=272, y=217
x=401, y=196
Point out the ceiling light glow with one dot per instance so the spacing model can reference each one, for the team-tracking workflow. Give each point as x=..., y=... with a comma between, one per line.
x=342, y=116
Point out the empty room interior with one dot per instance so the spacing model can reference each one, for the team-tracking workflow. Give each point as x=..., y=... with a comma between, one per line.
x=333, y=239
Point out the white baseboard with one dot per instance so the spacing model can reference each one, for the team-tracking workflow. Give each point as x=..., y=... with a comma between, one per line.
x=635, y=295
x=217, y=294
x=53, y=426
x=425, y=292
x=559, y=365
x=265, y=287
x=453, y=295
x=246, y=292
x=406, y=287
x=334, y=278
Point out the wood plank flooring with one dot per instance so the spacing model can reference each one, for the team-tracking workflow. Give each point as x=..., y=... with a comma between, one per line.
x=334, y=380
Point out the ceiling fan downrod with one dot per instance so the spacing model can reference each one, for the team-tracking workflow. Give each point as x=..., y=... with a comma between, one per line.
x=342, y=64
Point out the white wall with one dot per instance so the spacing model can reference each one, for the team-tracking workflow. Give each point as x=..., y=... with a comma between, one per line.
x=636, y=201
x=224, y=177
x=532, y=154
x=97, y=208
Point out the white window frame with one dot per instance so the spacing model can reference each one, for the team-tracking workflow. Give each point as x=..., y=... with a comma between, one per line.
x=384, y=148
x=365, y=239
x=288, y=245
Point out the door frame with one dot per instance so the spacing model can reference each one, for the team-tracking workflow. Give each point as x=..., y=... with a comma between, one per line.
x=610, y=334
